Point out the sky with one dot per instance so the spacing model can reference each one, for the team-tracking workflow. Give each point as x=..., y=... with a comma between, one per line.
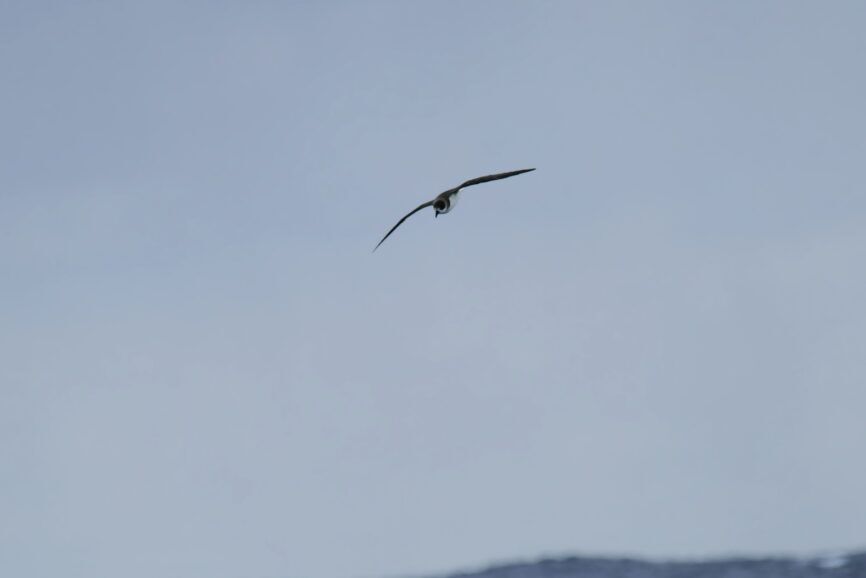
x=652, y=345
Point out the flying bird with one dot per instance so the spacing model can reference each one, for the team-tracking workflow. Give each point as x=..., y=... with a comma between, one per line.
x=444, y=202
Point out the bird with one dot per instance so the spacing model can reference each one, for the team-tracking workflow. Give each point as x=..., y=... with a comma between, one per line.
x=444, y=202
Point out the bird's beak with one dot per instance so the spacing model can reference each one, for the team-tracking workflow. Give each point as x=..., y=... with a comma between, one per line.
x=435, y=215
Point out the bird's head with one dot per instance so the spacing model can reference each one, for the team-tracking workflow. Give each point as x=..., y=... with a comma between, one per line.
x=440, y=206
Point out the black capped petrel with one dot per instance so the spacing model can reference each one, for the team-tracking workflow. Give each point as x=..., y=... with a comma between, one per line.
x=444, y=202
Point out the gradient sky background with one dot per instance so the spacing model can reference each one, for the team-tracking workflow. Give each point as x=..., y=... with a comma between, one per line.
x=655, y=344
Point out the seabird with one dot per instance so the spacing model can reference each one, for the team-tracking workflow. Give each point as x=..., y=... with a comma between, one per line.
x=444, y=202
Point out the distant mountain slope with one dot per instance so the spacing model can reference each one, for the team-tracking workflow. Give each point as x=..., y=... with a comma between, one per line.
x=839, y=566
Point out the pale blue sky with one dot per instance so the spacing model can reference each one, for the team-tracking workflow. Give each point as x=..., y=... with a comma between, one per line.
x=653, y=345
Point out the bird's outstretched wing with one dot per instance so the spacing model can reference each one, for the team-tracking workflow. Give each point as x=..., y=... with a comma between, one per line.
x=400, y=222
x=496, y=177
